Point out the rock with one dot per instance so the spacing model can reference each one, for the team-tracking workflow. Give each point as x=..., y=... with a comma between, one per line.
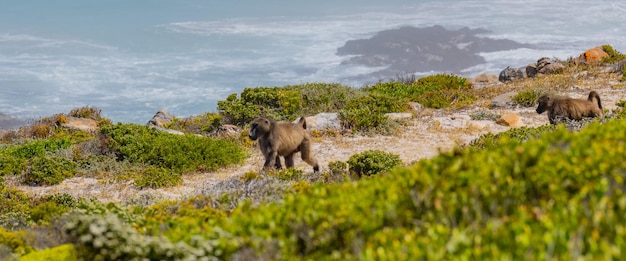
x=399, y=115
x=483, y=79
x=161, y=118
x=414, y=106
x=531, y=70
x=170, y=131
x=592, y=56
x=82, y=124
x=617, y=67
x=454, y=121
x=510, y=74
x=323, y=121
x=546, y=65
x=503, y=100
x=226, y=130
x=510, y=119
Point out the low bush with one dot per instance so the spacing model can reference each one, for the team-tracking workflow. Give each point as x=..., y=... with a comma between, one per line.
x=180, y=153
x=155, y=177
x=528, y=98
x=368, y=111
x=16, y=241
x=48, y=170
x=65, y=252
x=372, y=162
x=614, y=55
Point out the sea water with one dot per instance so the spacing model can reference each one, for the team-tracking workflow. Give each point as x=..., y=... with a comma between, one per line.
x=132, y=58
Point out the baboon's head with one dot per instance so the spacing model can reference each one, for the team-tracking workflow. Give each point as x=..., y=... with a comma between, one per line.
x=258, y=127
x=544, y=104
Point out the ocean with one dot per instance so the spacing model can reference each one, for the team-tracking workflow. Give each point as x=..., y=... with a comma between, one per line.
x=132, y=58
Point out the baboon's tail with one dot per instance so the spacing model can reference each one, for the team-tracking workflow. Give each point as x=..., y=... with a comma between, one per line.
x=592, y=95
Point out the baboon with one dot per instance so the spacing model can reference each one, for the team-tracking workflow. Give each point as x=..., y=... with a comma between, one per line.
x=561, y=108
x=282, y=139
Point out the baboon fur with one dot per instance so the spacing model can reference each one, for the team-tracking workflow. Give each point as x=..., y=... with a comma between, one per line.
x=562, y=108
x=284, y=139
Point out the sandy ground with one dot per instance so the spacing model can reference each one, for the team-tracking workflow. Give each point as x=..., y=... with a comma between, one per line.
x=422, y=137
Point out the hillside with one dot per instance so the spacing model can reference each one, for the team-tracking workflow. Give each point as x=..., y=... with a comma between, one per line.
x=125, y=191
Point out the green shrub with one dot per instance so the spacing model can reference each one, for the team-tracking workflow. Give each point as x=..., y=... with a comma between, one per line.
x=484, y=115
x=528, y=98
x=155, y=177
x=48, y=170
x=614, y=55
x=446, y=98
x=13, y=200
x=284, y=103
x=368, y=111
x=16, y=241
x=65, y=252
x=522, y=134
x=199, y=124
x=10, y=165
x=372, y=162
x=109, y=238
x=287, y=174
x=180, y=153
x=38, y=148
x=46, y=212
x=325, y=97
x=444, y=81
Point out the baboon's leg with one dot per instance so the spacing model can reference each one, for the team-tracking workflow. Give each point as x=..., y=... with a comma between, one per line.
x=270, y=160
x=289, y=161
x=277, y=164
x=307, y=155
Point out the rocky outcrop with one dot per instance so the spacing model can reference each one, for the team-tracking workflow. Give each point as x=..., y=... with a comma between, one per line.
x=412, y=49
x=510, y=74
x=83, y=124
x=503, y=100
x=544, y=65
x=591, y=56
x=510, y=119
x=483, y=80
x=323, y=121
x=161, y=118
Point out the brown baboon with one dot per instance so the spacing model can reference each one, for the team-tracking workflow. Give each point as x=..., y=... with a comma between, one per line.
x=282, y=139
x=562, y=108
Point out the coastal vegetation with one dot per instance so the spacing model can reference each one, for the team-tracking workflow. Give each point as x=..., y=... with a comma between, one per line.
x=551, y=192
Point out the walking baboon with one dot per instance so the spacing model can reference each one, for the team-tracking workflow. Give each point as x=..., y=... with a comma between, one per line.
x=561, y=108
x=282, y=139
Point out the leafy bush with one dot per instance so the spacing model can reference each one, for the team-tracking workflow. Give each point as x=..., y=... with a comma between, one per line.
x=199, y=124
x=48, y=170
x=287, y=174
x=444, y=81
x=109, y=238
x=528, y=98
x=369, y=111
x=522, y=134
x=284, y=103
x=180, y=153
x=155, y=177
x=372, y=162
x=16, y=241
x=46, y=212
x=65, y=252
x=614, y=55
x=484, y=115
x=325, y=97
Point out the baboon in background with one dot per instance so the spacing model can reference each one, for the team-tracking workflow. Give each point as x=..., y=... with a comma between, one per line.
x=282, y=139
x=561, y=108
